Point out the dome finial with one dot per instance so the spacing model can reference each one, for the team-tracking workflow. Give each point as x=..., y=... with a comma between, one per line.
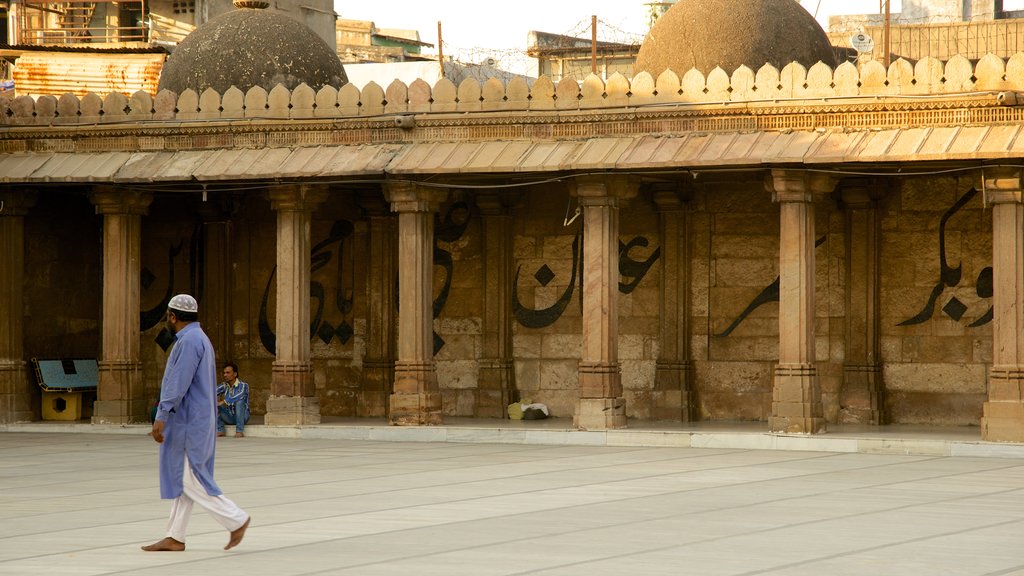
x=253, y=4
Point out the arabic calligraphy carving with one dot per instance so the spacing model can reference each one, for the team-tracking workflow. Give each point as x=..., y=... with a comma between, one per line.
x=343, y=300
x=950, y=277
x=769, y=294
x=448, y=230
x=634, y=270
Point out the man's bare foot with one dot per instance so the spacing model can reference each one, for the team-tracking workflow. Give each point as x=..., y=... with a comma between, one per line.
x=239, y=435
x=236, y=535
x=166, y=545
x=221, y=434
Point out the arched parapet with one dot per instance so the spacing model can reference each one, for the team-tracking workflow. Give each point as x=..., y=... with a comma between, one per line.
x=446, y=96
x=326, y=102
x=209, y=105
x=959, y=75
x=232, y=104
x=517, y=94
x=396, y=98
x=371, y=101
x=928, y=76
x=469, y=96
x=303, y=102
x=542, y=94
x=567, y=94
x=279, y=102
x=743, y=84
x=717, y=86
x=141, y=105
x=256, y=102
x=693, y=85
x=188, y=105
x=592, y=92
x=45, y=110
x=642, y=90
x=492, y=96
x=419, y=96
x=90, y=109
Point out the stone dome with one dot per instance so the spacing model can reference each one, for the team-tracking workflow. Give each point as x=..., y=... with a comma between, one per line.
x=703, y=34
x=247, y=47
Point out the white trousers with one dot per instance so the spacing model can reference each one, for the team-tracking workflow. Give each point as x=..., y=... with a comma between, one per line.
x=224, y=511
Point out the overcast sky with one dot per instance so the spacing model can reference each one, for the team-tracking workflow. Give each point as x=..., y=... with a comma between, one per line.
x=504, y=25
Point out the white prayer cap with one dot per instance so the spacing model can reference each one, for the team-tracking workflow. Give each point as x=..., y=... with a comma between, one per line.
x=183, y=303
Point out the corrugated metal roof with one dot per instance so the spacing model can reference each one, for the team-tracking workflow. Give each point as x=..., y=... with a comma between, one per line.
x=38, y=73
x=752, y=149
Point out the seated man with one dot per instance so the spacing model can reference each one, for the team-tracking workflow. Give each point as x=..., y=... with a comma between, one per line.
x=232, y=402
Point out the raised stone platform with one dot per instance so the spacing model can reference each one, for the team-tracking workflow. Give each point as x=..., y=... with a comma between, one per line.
x=909, y=440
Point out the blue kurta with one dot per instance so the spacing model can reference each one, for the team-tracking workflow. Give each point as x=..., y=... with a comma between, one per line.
x=188, y=408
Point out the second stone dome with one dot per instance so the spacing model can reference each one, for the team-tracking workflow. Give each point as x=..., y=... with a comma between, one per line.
x=248, y=47
x=703, y=34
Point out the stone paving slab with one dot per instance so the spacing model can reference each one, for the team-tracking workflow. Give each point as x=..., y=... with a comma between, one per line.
x=82, y=504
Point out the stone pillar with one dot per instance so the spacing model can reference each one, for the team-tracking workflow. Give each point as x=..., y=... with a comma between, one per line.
x=861, y=400
x=379, y=361
x=673, y=376
x=496, y=381
x=215, y=301
x=796, y=394
x=293, y=399
x=601, y=404
x=415, y=398
x=15, y=391
x=1003, y=416
x=121, y=396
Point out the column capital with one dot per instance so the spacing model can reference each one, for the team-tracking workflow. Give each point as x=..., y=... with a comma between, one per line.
x=109, y=200
x=603, y=190
x=670, y=196
x=862, y=192
x=406, y=196
x=297, y=197
x=16, y=202
x=1002, y=185
x=493, y=203
x=373, y=203
x=798, y=185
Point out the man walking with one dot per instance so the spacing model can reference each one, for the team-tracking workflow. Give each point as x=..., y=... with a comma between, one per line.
x=185, y=428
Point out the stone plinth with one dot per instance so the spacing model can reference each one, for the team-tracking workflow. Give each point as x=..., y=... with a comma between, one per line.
x=292, y=411
x=796, y=400
x=416, y=400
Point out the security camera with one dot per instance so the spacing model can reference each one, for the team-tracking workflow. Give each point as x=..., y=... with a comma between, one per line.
x=405, y=122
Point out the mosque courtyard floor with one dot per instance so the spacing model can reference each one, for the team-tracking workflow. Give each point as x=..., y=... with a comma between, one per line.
x=502, y=498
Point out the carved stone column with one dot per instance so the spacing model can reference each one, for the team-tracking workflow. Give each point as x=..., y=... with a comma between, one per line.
x=15, y=392
x=1003, y=416
x=121, y=396
x=861, y=400
x=601, y=404
x=217, y=274
x=796, y=395
x=379, y=362
x=293, y=399
x=496, y=381
x=415, y=399
x=673, y=376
